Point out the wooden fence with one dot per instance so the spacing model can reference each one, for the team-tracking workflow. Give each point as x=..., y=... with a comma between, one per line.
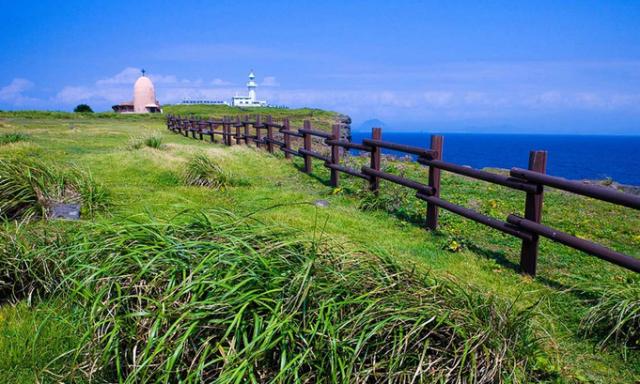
x=264, y=132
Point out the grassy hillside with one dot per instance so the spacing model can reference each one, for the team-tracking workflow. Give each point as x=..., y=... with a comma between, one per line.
x=199, y=261
x=319, y=118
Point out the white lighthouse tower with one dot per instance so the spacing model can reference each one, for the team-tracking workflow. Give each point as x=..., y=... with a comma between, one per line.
x=249, y=101
x=251, y=86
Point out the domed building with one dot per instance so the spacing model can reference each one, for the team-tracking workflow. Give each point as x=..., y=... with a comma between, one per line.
x=144, y=98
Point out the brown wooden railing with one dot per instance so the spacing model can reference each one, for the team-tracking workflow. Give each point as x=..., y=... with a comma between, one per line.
x=531, y=181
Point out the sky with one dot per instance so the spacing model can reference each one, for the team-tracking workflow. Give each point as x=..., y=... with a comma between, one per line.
x=468, y=66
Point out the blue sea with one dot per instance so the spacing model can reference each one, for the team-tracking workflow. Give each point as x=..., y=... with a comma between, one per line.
x=570, y=156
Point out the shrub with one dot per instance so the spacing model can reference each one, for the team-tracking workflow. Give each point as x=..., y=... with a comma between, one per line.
x=29, y=188
x=217, y=298
x=7, y=138
x=615, y=317
x=82, y=108
x=203, y=171
x=154, y=141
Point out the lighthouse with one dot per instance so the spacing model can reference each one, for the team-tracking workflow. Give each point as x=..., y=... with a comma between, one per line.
x=250, y=100
x=251, y=86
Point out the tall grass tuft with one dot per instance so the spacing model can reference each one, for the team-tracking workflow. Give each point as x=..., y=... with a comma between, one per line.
x=7, y=138
x=29, y=264
x=135, y=143
x=615, y=317
x=154, y=141
x=214, y=297
x=93, y=195
x=30, y=187
x=203, y=171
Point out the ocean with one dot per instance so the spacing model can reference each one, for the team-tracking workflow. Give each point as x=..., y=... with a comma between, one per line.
x=569, y=156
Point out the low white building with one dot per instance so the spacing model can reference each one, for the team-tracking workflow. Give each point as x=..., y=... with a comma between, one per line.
x=250, y=100
x=206, y=102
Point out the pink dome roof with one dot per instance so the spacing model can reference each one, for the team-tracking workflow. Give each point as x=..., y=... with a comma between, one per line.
x=144, y=94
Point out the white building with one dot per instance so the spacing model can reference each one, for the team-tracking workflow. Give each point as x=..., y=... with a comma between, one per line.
x=206, y=102
x=250, y=100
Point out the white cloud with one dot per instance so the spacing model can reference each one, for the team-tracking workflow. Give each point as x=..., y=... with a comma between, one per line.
x=130, y=74
x=14, y=92
x=77, y=94
x=453, y=105
x=270, y=81
x=118, y=88
x=457, y=91
x=126, y=76
x=220, y=82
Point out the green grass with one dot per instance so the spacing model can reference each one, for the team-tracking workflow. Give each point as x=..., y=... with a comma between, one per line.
x=615, y=315
x=373, y=241
x=320, y=119
x=13, y=137
x=30, y=188
x=221, y=296
x=201, y=170
x=154, y=141
x=37, y=341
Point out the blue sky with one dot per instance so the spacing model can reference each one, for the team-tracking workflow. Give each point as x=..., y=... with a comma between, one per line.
x=552, y=67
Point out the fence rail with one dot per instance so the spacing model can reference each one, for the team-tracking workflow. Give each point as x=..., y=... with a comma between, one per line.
x=531, y=181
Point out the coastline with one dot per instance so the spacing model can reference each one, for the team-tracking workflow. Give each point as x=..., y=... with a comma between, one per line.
x=607, y=182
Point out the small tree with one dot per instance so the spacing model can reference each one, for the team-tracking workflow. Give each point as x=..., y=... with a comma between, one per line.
x=83, y=108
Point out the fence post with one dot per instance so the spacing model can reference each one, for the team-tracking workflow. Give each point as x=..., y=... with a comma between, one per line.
x=258, y=126
x=269, y=134
x=308, y=164
x=217, y=125
x=238, y=135
x=223, y=125
x=434, y=182
x=335, y=156
x=374, y=181
x=194, y=126
x=286, y=137
x=245, y=124
x=533, y=212
x=227, y=130
x=211, y=127
x=201, y=123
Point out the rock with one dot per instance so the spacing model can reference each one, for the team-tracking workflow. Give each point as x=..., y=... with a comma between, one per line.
x=65, y=211
x=345, y=122
x=321, y=203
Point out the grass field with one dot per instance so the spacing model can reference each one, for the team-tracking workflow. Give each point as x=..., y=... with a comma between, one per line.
x=203, y=262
